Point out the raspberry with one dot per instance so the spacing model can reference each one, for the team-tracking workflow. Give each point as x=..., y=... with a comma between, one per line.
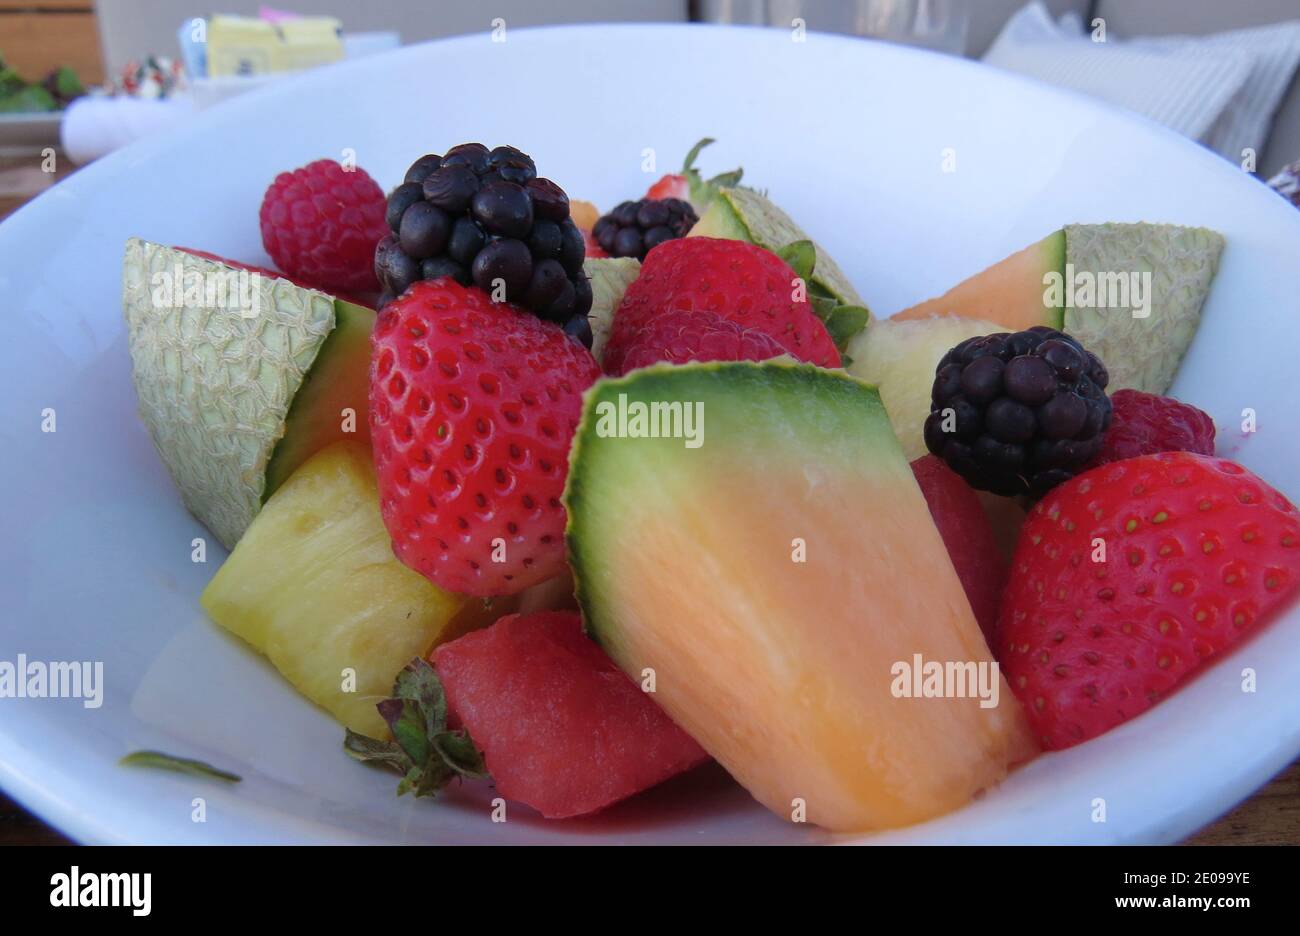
x=321, y=223
x=1144, y=423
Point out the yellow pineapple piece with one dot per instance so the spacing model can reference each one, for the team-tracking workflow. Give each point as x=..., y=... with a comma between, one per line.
x=314, y=585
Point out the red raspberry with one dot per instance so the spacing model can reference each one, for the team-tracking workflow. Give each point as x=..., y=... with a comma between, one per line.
x=1144, y=423
x=321, y=223
x=473, y=405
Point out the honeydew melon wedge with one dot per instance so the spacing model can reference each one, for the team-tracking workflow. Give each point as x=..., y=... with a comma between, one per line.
x=1141, y=351
x=772, y=579
x=899, y=358
x=610, y=277
x=241, y=376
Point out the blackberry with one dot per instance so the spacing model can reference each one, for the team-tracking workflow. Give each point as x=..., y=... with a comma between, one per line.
x=634, y=227
x=1018, y=413
x=484, y=218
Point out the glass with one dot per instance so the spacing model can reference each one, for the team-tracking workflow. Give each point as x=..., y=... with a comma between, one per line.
x=932, y=24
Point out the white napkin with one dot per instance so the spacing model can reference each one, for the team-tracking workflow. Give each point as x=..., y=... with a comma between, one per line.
x=94, y=125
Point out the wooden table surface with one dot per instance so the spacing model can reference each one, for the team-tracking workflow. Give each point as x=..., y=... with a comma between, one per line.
x=1270, y=817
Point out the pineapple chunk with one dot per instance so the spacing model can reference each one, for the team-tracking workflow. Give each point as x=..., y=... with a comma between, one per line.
x=314, y=586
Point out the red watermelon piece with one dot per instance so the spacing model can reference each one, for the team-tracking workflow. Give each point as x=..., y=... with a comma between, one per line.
x=562, y=729
x=957, y=512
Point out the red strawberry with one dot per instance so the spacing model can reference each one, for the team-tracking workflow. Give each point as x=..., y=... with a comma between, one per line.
x=732, y=279
x=473, y=405
x=968, y=535
x=321, y=223
x=1198, y=553
x=689, y=185
x=670, y=186
x=676, y=337
x=1144, y=423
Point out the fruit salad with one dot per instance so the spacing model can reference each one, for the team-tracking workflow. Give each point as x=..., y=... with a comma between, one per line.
x=578, y=501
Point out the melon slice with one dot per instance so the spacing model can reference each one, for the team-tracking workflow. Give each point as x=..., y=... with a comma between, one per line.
x=219, y=355
x=772, y=579
x=1140, y=352
x=314, y=586
x=900, y=358
x=610, y=277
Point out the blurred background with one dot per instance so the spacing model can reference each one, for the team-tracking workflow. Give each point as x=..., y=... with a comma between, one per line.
x=90, y=75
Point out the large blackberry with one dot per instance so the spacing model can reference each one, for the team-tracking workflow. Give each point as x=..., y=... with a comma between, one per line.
x=634, y=227
x=1018, y=413
x=483, y=217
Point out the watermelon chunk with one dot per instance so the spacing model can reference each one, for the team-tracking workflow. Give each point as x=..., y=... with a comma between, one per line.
x=561, y=728
x=968, y=536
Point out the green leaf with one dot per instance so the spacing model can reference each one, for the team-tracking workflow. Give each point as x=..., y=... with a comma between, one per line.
x=161, y=761
x=370, y=751
x=823, y=307
x=66, y=84
x=419, y=683
x=459, y=753
x=845, y=322
x=693, y=153
x=703, y=192
x=32, y=99
x=426, y=755
x=801, y=256
x=727, y=179
x=406, y=721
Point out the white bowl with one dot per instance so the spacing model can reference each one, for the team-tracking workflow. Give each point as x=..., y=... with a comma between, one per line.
x=849, y=136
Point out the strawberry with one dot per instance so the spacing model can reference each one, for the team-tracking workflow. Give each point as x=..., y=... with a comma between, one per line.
x=689, y=185
x=732, y=279
x=670, y=186
x=677, y=336
x=473, y=405
x=1198, y=553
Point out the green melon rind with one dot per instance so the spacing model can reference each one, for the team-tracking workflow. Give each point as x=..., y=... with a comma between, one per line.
x=768, y=226
x=1053, y=251
x=759, y=387
x=339, y=378
x=214, y=386
x=610, y=277
x=1144, y=354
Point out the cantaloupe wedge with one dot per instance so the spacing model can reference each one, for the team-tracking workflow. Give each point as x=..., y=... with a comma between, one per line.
x=241, y=373
x=1142, y=344
x=772, y=580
